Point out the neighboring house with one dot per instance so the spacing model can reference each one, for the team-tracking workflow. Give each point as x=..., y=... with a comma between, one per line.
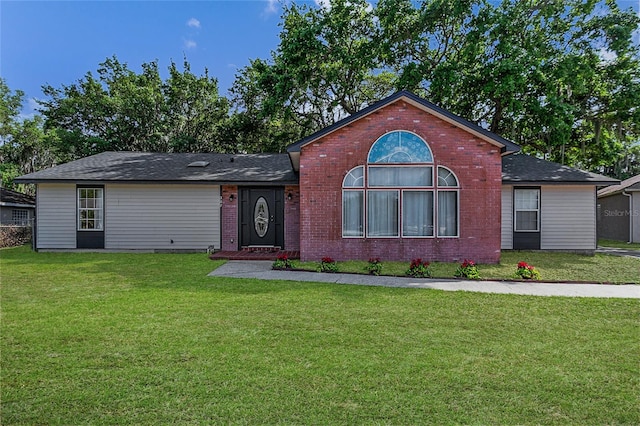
x=619, y=211
x=400, y=179
x=16, y=209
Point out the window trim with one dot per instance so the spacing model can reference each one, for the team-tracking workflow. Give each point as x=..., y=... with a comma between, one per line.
x=457, y=191
x=366, y=224
x=433, y=213
x=79, y=209
x=435, y=189
x=516, y=210
x=364, y=210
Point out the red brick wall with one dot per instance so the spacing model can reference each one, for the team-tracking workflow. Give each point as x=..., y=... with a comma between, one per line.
x=292, y=218
x=476, y=163
x=229, y=218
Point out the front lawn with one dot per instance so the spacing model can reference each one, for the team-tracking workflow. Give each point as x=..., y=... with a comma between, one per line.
x=619, y=244
x=600, y=268
x=150, y=339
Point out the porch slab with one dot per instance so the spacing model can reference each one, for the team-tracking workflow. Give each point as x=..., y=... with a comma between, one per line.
x=254, y=255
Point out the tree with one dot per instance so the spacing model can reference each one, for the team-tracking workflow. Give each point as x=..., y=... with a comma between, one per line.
x=561, y=78
x=23, y=142
x=121, y=110
x=324, y=68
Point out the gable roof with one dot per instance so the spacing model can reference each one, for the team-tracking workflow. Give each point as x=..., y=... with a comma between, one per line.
x=421, y=103
x=254, y=169
x=628, y=185
x=526, y=169
x=16, y=199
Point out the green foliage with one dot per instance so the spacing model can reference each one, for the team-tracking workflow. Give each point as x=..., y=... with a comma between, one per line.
x=327, y=264
x=467, y=269
x=122, y=110
x=419, y=269
x=527, y=272
x=24, y=145
x=324, y=69
x=282, y=262
x=374, y=266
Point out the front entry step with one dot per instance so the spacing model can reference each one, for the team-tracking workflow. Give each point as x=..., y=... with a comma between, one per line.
x=254, y=255
x=262, y=249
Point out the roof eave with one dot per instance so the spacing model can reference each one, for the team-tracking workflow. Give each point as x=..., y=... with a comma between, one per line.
x=507, y=147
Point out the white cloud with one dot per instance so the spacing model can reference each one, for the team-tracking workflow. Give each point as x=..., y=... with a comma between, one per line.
x=271, y=7
x=325, y=4
x=190, y=44
x=607, y=55
x=193, y=23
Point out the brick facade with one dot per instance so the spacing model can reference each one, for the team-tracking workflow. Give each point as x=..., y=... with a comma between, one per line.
x=325, y=162
x=229, y=218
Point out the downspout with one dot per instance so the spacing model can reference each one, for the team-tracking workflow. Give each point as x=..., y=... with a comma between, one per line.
x=626, y=194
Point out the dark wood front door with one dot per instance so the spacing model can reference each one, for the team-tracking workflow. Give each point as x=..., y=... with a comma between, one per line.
x=262, y=217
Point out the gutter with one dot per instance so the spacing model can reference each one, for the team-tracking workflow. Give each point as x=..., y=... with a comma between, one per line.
x=626, y=194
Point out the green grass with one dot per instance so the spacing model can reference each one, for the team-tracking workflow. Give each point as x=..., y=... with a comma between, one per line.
x=619, y=244
x=150, y=339
x=600, y=268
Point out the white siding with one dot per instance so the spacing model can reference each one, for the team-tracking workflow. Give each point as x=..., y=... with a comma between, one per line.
x=150, y=216
x=568, y=217
x=56, y=216
x=507, y=218
x=635, y=219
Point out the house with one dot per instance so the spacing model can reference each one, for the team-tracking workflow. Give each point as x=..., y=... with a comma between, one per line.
x=400, y=179
x=619, y=211
x=16, y=208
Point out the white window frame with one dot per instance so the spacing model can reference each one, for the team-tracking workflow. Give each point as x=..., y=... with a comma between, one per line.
x=516, y=210
x=440, y=189
x=80, y=209
x=366, y=211
x=433, y=213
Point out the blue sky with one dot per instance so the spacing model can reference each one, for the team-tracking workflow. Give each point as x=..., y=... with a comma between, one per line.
x=58, y=42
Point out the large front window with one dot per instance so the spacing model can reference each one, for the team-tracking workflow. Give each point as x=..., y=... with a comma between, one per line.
x=90, y=209
x=395, y=194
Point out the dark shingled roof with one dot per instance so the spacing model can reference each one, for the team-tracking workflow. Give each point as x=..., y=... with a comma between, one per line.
x=630, y=185
x=13, y=198
x=525, y=169
x=254, y=169
x=508, y=146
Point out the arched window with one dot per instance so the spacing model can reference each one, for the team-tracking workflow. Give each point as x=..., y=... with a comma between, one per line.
x=448, y=211
x=400, y=146
x=395, y=194
x=353, y=203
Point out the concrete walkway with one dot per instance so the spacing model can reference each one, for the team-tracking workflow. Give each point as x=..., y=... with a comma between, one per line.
x=262, y=270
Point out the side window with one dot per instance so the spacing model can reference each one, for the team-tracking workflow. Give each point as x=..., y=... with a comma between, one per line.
x=90, y=209
x=353, y=203
x=448, y=211
x=527, y=210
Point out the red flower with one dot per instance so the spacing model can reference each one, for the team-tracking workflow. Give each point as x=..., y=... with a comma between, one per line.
x=523, y=265
x=327, y=259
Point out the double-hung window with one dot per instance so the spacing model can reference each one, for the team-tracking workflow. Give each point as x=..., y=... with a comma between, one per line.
x=527, y=209
x=395, y=194
x=90, y=209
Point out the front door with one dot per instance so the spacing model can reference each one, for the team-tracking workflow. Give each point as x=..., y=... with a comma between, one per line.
x=262, y=217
